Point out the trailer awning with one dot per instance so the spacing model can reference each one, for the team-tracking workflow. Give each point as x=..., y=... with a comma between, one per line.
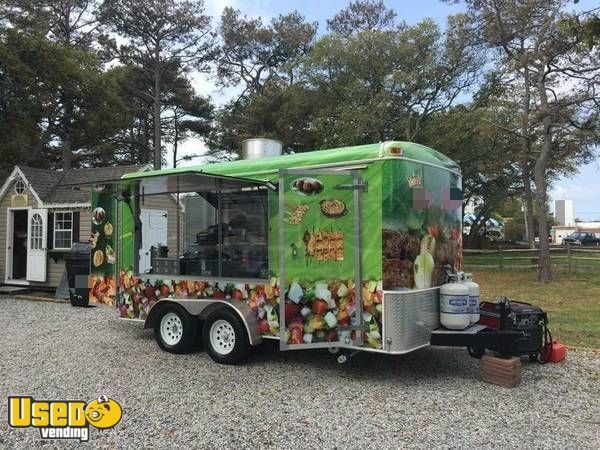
x=192, y=181
x=195, y=182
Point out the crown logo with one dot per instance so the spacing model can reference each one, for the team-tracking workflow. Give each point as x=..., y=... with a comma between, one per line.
x=414, y=181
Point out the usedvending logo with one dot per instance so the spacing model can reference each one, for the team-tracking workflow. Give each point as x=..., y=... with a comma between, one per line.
x=63, y=419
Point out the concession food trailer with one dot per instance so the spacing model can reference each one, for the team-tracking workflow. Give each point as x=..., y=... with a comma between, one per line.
x=342, y=249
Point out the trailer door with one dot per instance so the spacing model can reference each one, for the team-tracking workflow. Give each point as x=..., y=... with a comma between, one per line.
x=320, y=258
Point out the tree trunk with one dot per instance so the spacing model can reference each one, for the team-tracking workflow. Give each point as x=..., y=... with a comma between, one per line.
x=67, y=143
x=67, y=154
x=529, y=211
x=175, y=139
x=545, y=268
x=526, y=144
x=157, y=136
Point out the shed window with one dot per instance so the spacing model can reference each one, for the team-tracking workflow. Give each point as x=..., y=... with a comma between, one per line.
x=63, y=230
x=37, y=227
x=20, y=187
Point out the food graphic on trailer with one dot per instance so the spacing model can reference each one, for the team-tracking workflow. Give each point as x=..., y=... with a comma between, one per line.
x=307, y=186
x=324, y=245
x=333, y=208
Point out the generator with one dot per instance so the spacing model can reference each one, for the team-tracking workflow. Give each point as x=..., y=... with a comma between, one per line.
x=518, y=316
x=509, y=328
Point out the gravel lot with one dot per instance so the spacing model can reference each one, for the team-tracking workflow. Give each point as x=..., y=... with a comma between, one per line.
x=431, y=398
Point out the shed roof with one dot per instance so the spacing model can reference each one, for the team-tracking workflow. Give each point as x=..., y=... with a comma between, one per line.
x=49, y=185
x=81, y=176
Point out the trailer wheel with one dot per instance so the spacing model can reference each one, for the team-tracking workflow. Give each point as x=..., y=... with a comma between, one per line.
x=175, y=330
x=225, y=337
x=476, y=352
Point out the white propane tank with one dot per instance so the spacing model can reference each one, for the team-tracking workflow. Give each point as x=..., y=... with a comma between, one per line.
x=454, y=304
x=473, y=297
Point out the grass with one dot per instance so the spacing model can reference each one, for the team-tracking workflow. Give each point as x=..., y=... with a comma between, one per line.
x=571, y=301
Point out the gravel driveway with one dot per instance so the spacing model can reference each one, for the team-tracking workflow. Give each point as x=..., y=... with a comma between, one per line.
x=433, y=397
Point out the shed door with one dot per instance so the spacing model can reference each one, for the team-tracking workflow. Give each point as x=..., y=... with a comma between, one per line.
x=320, y=259
x=37, y=232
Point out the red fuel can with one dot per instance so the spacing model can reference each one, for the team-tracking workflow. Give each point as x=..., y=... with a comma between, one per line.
x=554, y=352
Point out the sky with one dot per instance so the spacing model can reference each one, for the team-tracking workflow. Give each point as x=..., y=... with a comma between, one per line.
x=583, y=188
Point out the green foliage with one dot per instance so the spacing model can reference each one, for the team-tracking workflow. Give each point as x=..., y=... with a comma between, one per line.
x=53, y=96
x=252, y=54
x=362, y=15
x=164, y=40
x=280, y=112
x=370, y=80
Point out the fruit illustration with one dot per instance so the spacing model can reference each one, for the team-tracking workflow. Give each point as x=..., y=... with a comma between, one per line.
x=111, y=256
x=94, y=239
x=164, y=291
x=291, y=311
x=98, y=215
x=98, y=258
x=424, y=263
x=319, y=306
x=108, y=229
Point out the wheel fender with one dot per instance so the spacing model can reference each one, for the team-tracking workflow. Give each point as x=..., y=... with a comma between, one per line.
x=244, y=312
x=201, y=308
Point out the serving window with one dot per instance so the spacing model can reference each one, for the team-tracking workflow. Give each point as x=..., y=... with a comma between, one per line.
x=202, y=226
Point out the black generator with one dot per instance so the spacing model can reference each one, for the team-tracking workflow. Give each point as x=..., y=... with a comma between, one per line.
x=510, y=315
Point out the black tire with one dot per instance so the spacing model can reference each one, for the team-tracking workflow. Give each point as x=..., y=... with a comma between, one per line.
x=78, y=300
x=175, y=330
x=533, y=357
x=476, y=352
x=74, y=300
x=227, y=322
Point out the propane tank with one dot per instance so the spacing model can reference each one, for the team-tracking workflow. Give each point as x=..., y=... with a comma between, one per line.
x=473, y=297
x=454, y=304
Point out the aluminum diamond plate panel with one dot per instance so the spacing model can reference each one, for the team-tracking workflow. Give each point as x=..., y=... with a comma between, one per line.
x=409, y=319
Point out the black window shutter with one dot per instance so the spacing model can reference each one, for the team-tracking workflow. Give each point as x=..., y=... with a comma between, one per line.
x=76, y=224
x=50, y=242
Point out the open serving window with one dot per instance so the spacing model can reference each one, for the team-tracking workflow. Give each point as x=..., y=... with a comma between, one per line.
x=201, y=225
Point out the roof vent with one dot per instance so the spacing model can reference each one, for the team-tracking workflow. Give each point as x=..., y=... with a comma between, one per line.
x=261, y=148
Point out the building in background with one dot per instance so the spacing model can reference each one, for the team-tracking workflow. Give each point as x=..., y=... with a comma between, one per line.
x=564, y=213
x=559, y=231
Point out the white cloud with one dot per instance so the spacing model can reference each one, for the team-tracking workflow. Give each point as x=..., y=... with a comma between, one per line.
x=214, y=8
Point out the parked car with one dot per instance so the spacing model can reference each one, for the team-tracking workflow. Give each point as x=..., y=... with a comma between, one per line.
x=581, y=238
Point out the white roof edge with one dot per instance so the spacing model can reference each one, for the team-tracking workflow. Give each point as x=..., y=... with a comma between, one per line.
x=17, y=171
